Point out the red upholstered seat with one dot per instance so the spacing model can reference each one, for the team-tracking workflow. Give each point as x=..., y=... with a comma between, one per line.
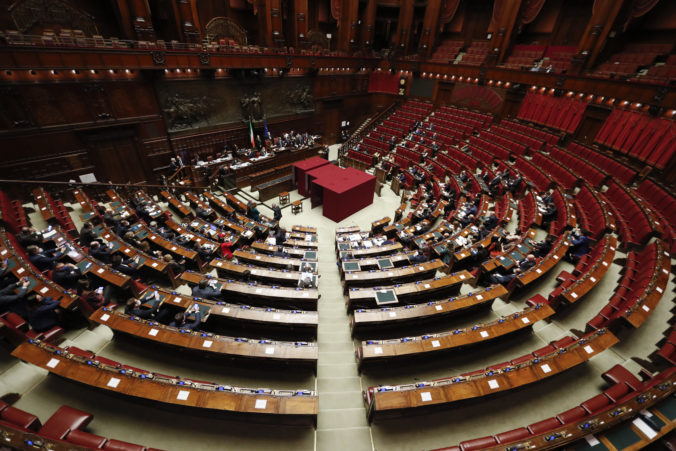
x=544, y=351
x=564, y=342
x=596, y=404
x=86, y=439
x=513, y=435
x=50, y=335
x=572, y=415
x=80, y=352
x=544, y=425
x=64, y=420
x=478, y=443
x=20, y=418
x=618, y=373
x=117, y=445
x=618, y=391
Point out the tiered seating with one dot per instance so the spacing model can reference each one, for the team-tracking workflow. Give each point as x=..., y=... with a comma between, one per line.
x=533, y=174
x=587, y=273
x=645, y=278
x=561, y=113
x=559, y=57
x=564, y=220
x=561, y=174
x=499, y=152
x=524, y=55
x=586, y=170
x=514, y=147
x=639, y=135
x=478, y=120
x=59, y=210
x=447, y=51
x=599, y=413
x=362, y=157
x=634, y=223
x=12, y=213
x=612, y=167
x=476, y=53
x=592, y=212
x=526, y=212
x=63, y=430
x=664, y=205
x=548, y=137
x=633, y=57
x=390, y=400
x=531, y=142
x=661, y=73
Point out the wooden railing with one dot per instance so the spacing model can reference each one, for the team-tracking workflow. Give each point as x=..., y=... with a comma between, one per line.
x=355, y=138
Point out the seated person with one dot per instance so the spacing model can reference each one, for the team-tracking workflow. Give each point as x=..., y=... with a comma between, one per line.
x=206, y=290
x=491, y=221
x=306, y=280
x=43, y=260
x=135, y=242
x=95, y=298
x=280, y=236
x=549, y=214
x=29, y=236
x=252, y=212
x=122, y=228
x=11, y=300
x=544, y=247
x=417, y=257
x=66, y=275
x=225, y=246
x=205, y=251
x=522, y=266
x=100, y=252
x=134, y=307
x=87, y=234
x=110, y=218
x=128, y=266
x=42, y=312
x=161, y=231
x=176, y=267
x=579, y=245
x=181, y=319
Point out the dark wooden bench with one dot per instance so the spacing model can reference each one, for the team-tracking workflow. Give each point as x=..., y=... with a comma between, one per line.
x=273, y=188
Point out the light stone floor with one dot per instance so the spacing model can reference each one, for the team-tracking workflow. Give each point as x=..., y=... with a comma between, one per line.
x=342, y=421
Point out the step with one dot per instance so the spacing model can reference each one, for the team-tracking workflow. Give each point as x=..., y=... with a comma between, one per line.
x=347, y=368
x=341, y=400
x=354, y=439
x=338, y=384
x=342, y=418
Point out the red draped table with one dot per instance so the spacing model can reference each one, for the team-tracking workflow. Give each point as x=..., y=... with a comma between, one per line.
x=300, y=171
x=342, y=192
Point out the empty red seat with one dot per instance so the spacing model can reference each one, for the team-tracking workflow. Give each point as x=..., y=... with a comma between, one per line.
x=572, y=415
x=596, y=404
x=20, y=418
x=64, y=420
x=118, y=445
x=513, y=435
x=618, y=373
x=618, y=391
x=82, y=438
x=544, y=425
x=478, y=443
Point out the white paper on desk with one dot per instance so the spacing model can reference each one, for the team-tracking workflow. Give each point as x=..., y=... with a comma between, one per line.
x=261, y=404
x=271, y=241
x=183, y=395
x=426, y=396
x=53, y=362
x=367, y=244
x=207, y=343
x=593, y=441
x=113, y=382
x=493, y=384
x=644, y=428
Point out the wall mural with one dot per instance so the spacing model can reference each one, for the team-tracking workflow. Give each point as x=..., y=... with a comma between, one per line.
x=204, y=103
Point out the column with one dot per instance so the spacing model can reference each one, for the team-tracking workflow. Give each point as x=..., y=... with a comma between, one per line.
x=347, y=25
x=369, y=22
x=140, y=18
x=299, y=39
x=276, y=29
x=504, y=27
x=189, y=26
x=403, y=34
x=430, y=27
x=604, y=14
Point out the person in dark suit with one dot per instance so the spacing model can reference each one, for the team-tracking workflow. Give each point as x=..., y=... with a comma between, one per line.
x=280, y=236
x=205, y=291
x=579, y=246
x=43, y=260
x=9, y=298
x=491, y=221
x=127, y=266
x=181, y=319
x=276, y=213
x=100, y=252
x=87, y=234
x=66, y=275
x=543, y=247
x=176, y=267
x=29, y=236
x=521, y=267
x=42, y=312
x=134, y=307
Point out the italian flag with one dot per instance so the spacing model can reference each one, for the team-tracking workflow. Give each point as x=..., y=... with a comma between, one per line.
x=251, y=135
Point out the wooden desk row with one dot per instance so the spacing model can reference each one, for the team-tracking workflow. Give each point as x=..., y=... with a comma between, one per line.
x=583, y=285
x=347, y=229
x=408, y=292
x=372, y=251
x=181, y=209
x=382, y=351
x=265, y=248
x=301, y=405
x=305, y=298
x=218, y=204
x=393, y=275
x=227, y=268
x=38, y=283
x=653, y=399
x=209, y=343
x=211, y=232
x=42, y=200
x=275, y=262
x=385, y=401
x=644, y=306
x=543, y=267
x=304, y=229
x=389, y=261
x=196, y=202
x=507, y=259
x=242, y=314
x=369, y=319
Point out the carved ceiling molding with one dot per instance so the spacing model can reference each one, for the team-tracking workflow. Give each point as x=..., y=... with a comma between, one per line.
x=26, y=14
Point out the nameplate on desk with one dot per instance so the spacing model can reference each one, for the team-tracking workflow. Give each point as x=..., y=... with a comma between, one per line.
x=377, y=350
x=183, y=395
x=261, y=404
x=546, y=368
x=225, y=310
x=589, y=349
x=105, y=317
x=53, y=362
x=259, y=290
x=479, y=297
x=207, y=343
x=43, y=290
x=113, y=382
x=153, y=332
x=177, y=300
x=154, y=265
x=258, y=257
x=438, y=307
x=646, y=308
x=435, y=343
x=427, y=285
x=493, y=384
x=269, y=351
x=100, y=271
x=276, y=316
x=20, y=271
x=426, y=396
x=525, y=320
x=483, y=334
x=126, y=251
